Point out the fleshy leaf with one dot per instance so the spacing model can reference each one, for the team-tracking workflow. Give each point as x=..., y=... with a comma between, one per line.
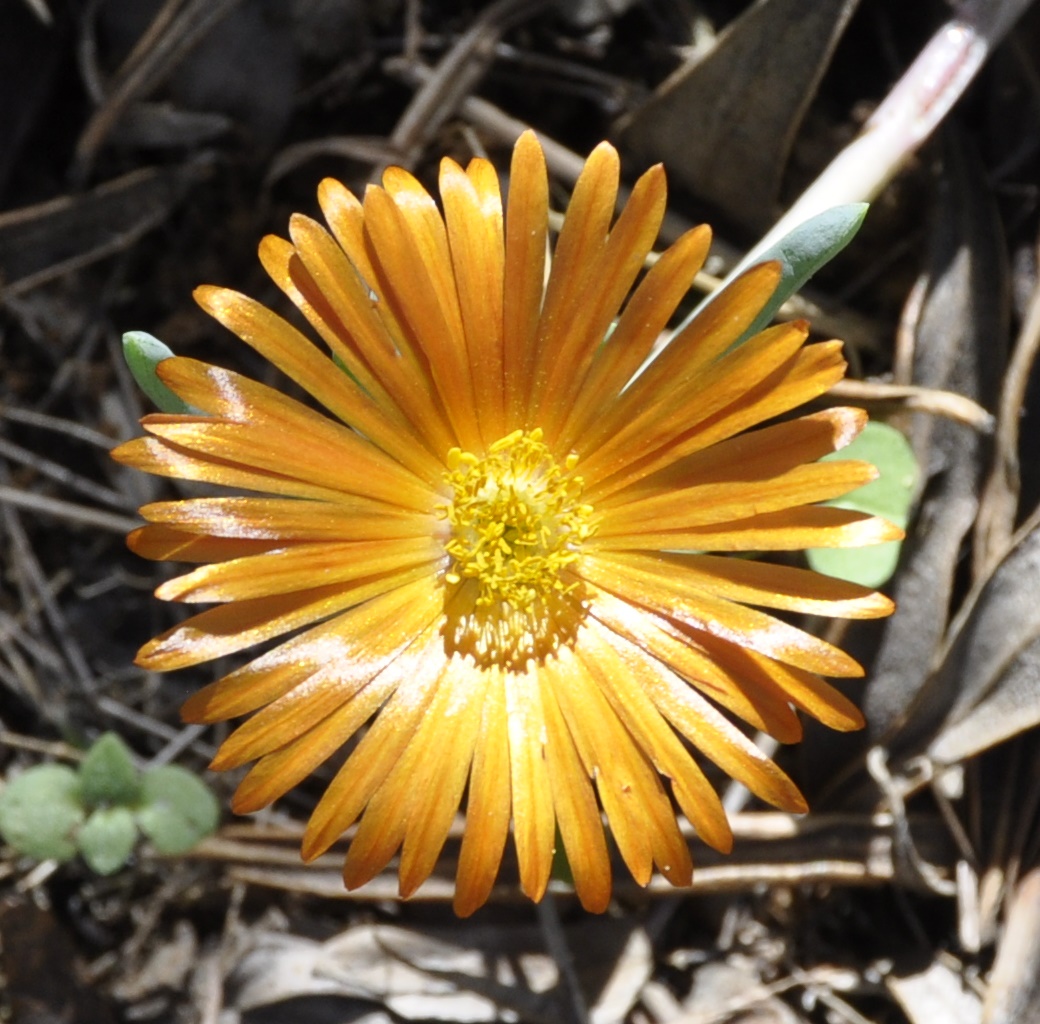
x=107, y=839
x=107, y=774
x=800, y=253
x=177, y=809
x=889, y=496
x=143, y=353
x=41, y=810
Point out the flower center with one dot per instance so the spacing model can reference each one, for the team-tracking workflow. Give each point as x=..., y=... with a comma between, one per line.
x=516, y=523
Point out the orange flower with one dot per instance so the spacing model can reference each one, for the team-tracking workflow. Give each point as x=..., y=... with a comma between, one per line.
x=498, y=550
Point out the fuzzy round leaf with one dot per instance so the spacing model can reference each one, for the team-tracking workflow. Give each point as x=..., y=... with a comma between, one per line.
x=107, y=774
x=41, y=810
x=107, y=839
x=178, y=809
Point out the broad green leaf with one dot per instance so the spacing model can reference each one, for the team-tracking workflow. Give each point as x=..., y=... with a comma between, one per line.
x=889, y=496
x=107, y=774
x=177, y=809
x=143, y=353
x=41, y=810
x=107, y=839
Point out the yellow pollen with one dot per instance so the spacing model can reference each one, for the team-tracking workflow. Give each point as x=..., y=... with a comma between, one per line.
x=517, y=521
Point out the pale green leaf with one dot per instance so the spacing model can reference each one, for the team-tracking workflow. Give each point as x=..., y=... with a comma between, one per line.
x=41, y=810
x=177, y=809
x=889, y=496
x=107, y=839
x=143, y=353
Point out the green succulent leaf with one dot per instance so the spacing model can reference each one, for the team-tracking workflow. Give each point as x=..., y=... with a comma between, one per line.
x=889, y=496
x=177, y=809
x=107, y=839
x=143, y=353
x=107, y=774
x=41, y=810
x=804, y=251
x=800, y=253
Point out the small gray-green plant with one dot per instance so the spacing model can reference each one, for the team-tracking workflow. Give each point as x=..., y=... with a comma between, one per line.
x=54, y=811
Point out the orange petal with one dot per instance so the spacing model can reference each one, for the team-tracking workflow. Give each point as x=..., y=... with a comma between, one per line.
x=811, y=526
x=299, y=568
x=712, y=504
x=410, y=248
x=758, y=583
x=437, y=773
x=580, y=329
x=150, y=455
x=275, y=774
x=641, y=689
x=668, y=416
x=293, y=354
x=234, y=627
x=351, y=317
x=765, y=708
x=681, y=367
x=473, y=214
x=261, y=428
x=162, y=544
x=719, y=617
x=533, y=816
x=526, y=231
x=379, y=750
x=388, y=626
x=639, y=812
x=490, y=803
x=645, y=316
x=272, y=519
x=577, y=812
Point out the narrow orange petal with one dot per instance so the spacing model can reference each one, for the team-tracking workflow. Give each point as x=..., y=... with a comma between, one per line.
x=346, y=670
x=759, y=583
x=163, y=544
x=293, y=354
x=437, y=774
x=718, y=503
x=359, y=333
x=272, y=519
x=810, y=373
x=645, y=316
x=299, y=567
x=379, y=750
x=490, y=803
x=812, y=526
x=151, y=455
x=275, y=774
x=744, y=626
x=334, y=642
x=666, y=415
x=577, y=812
x=262, y=428
x=416, y=804
x=765, y=708
x=229, y=628
x=637, y=808
x=533, y=816
x=578, y=252
x=681, y=366
x=410, y=248
x=582, y=328
x=473, y=214
x=525, y=256
x=641, y=689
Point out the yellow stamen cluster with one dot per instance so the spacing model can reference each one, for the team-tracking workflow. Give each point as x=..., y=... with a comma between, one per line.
x=516, y=520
